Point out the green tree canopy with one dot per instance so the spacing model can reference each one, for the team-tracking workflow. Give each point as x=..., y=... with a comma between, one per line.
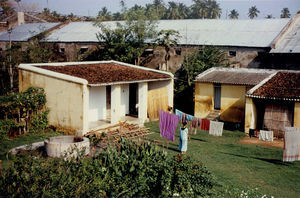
x=233, y=14
x=285, y=13
x=193, y=65
x=253, y=12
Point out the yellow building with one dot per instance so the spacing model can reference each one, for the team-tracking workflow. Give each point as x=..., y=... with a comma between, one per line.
x=274, y=103
x=221, y=92
x=257, y=98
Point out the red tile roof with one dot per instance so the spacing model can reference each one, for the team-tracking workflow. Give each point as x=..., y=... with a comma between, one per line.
x=107, y=72
x=284, y=85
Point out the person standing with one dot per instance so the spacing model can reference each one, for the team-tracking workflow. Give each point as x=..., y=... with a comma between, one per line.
x=183, y=139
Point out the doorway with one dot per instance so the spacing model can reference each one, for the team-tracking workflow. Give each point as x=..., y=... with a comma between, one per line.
x=133, y=99
x=217, y=96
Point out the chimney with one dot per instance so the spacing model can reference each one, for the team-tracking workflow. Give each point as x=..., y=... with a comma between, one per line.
x=21, y=19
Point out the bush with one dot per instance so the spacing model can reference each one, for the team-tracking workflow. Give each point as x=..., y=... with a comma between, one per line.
x=39, y=122
x=127, y=169
x=5, y=126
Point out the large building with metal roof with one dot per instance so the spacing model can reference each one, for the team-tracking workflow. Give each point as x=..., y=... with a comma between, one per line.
x=24, y=32
x=241, y=39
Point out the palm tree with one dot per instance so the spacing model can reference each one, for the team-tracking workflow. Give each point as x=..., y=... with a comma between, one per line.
x=184, y=11
x=233, y=14
x=214, y=10
x=173, y=11
x=104, y=14
x=253, y=11
x=285, y=13
x=269, y=16
x=199, y=9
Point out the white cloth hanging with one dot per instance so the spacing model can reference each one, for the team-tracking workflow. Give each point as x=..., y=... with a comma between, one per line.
x=266, y=135
x=291, y=144
x=216, y=128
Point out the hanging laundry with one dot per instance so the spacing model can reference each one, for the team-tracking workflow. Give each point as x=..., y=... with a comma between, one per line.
x=205, y=124
x=291, y=144
x=184, y=116
x=168, y=124
x=266, y=135
x=216, y=128
x=195, y=123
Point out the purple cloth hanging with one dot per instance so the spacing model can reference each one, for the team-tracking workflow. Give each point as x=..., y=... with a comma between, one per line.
x=168, y=124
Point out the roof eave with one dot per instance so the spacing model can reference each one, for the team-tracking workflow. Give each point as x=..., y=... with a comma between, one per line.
x=273, y=98
x=127, y=82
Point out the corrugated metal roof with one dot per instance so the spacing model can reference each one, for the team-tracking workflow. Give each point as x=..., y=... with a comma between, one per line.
x=249, y=33
x=238, y=76
x=26, y=31
x=290, y=43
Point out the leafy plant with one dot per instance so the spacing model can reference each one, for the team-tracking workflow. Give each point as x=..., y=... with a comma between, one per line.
x=125, y=169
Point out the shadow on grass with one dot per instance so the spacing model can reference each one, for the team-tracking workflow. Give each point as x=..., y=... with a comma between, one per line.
x=198, y=139
x=273, y=161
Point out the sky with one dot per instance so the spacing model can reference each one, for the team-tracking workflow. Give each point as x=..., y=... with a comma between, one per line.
x=91, y=7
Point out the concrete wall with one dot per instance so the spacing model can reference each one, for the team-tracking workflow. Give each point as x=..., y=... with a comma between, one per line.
x=233, y=103
x=142, y=101
x=97, y=103
x=297, y=115
x=72, y=50
x=170, y=87
x=204, y=104
x=124, y=108
x=65, y=99
x=250, y=115
x=115, y=103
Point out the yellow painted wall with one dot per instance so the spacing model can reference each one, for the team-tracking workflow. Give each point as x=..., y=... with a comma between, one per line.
x=204, y=104
x=297, y=115
x=64, y=99
x=233, y=103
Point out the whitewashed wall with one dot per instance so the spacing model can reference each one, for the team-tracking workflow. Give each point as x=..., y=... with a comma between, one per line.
x=124, y=108
x=97, y=103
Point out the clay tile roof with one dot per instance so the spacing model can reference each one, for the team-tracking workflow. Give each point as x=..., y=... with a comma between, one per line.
x=237, y=76
x=284, y=85
x=107, y=73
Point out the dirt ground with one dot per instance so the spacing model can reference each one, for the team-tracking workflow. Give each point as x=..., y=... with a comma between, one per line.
x=276, y=143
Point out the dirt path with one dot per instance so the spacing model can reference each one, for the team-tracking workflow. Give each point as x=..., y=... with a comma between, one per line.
x=256, y=141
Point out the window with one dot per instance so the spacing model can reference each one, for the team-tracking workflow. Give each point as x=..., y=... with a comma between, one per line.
x=232, y=53
x=178, y=51
x=83, y=50
x=62, y=50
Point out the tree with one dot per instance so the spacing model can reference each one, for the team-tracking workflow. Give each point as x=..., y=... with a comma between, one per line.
x=285, y=13
x=269, y=16
x=233, y=14
x=104, y=15
x=207, y=57
x=253, y=12
x=167, y=39
x=172, y=11
x=127, y=41
x=213, y=9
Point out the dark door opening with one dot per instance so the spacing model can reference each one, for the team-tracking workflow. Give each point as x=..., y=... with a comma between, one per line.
x=133, y=99
x=217, y=96
x=108, y=102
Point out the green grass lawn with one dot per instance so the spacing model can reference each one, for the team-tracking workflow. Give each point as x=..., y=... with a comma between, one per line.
x=239, y=165
x=7, y=144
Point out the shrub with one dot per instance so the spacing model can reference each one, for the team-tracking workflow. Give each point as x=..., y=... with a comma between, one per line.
x=5, y=126
x=39, y=122
x=127, y=169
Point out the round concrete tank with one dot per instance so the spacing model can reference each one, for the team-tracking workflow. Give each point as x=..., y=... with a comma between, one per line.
x=67, y=146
